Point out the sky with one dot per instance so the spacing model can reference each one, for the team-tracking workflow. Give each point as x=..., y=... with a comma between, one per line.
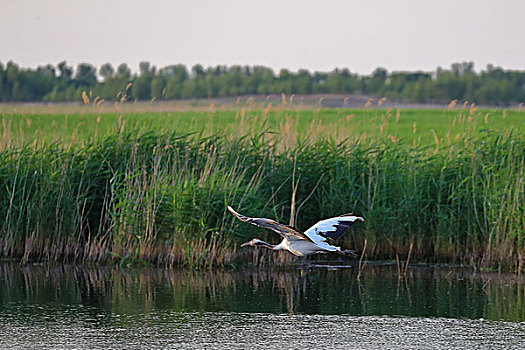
x=315, y=35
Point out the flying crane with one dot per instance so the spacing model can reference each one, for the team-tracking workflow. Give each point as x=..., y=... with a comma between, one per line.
x=314, y=240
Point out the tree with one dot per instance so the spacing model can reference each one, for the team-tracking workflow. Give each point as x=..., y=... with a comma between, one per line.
x=303, y=82
x=378, y=80
x=158, y=85
x=198, y=71
x=173, y=89
x=349, y=81
x=86, y=75
x=47, y=71
x=3, y=85
x=320, y=82
x=462, y=68
x=177, y=72
x=193, y=88
x=106, y=71
x=65, y=72
x=145, y=68
x=334, y=82
x=13, y=81
x=141, y=88
x=123, y=71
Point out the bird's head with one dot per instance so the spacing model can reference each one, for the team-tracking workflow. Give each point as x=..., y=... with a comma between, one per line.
x=253, y=242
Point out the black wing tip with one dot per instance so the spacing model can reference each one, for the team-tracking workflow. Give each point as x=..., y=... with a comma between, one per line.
x=356, y=217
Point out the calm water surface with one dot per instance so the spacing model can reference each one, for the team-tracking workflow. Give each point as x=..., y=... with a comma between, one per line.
x=310, y=307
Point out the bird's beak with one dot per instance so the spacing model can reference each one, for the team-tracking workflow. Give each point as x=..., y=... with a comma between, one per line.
x=361, y=219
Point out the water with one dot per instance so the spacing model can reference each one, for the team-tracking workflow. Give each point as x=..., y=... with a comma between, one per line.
x=309, y=307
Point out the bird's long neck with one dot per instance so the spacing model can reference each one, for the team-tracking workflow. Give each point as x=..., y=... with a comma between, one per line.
x=268, y=245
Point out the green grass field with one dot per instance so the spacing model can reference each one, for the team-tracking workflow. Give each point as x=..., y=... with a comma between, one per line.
x=425, y=127
x=153, y=187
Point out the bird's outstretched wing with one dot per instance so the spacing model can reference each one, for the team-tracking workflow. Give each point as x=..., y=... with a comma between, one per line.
x=282, y=229
x=332, y=228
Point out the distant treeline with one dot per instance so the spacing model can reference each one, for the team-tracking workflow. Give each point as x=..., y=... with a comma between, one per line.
x=492, y=86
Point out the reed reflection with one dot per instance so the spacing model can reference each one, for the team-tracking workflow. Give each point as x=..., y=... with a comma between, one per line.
x=103, y=293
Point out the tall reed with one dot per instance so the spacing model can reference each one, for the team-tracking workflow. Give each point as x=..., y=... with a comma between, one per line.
x=161, y=197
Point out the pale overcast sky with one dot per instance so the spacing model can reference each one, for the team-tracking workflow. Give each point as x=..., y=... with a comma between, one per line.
x=317, y=35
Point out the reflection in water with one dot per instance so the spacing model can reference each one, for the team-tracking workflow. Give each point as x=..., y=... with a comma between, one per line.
x=309, y=307
x=34, y=291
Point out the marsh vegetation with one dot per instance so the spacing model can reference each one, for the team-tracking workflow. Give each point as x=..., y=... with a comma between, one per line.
x=153, y=187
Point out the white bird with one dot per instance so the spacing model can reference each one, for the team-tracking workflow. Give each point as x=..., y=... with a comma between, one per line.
x=312, y=241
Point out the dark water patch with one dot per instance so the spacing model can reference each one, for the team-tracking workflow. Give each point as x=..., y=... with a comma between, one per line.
x=312, y=306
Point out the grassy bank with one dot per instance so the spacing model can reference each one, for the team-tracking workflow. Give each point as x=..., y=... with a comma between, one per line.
x=420, y=127
x=151, y=193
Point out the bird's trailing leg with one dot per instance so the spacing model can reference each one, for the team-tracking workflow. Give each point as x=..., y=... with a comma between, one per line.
x=349, y=252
